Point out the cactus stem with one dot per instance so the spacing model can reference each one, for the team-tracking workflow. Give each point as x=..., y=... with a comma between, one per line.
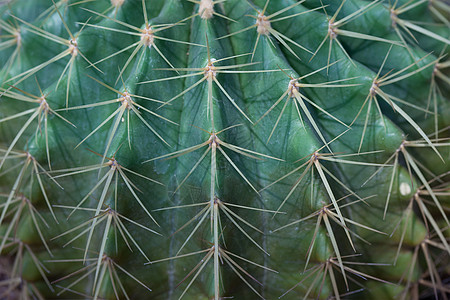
x=375, y=90
x=327, y=268
x=437, y=7
x=116, y=221
x=235, y=267
x=434, y=275
x=72, y=50
x=227, y=211
x=147, y=39
x=210, y=73
x=106, y=264
x=200, y=266
x=230, y=214
x=263, y=27
x=24, y=202
x=434, y=90
x=411, y=163
x=89, y=272
x=315, y=160
x=408, y=25
x=36, y=169
x=408, y=187
x=20, y=252
x=41, y=113
x=15, y=39
x=212, y=209
x=334, y=31
x=115, y=170
x=214, y=141
x=319, y=268
x=52, y=9
x=293, y=91
x=436, y=281
x=214, y=200
x=300, y=100
x=126, y=104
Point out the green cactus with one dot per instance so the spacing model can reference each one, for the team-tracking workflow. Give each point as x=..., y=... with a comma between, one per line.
x=155, y=149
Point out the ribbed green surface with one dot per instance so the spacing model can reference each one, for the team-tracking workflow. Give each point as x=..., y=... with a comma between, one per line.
x=145, y=194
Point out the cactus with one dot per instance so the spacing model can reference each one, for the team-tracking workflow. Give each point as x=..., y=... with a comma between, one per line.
x=185, y=149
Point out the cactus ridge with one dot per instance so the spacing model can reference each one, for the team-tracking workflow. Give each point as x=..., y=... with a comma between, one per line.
x=185, y=149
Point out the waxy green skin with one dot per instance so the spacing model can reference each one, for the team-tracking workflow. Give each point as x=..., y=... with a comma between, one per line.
x=136, y=147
